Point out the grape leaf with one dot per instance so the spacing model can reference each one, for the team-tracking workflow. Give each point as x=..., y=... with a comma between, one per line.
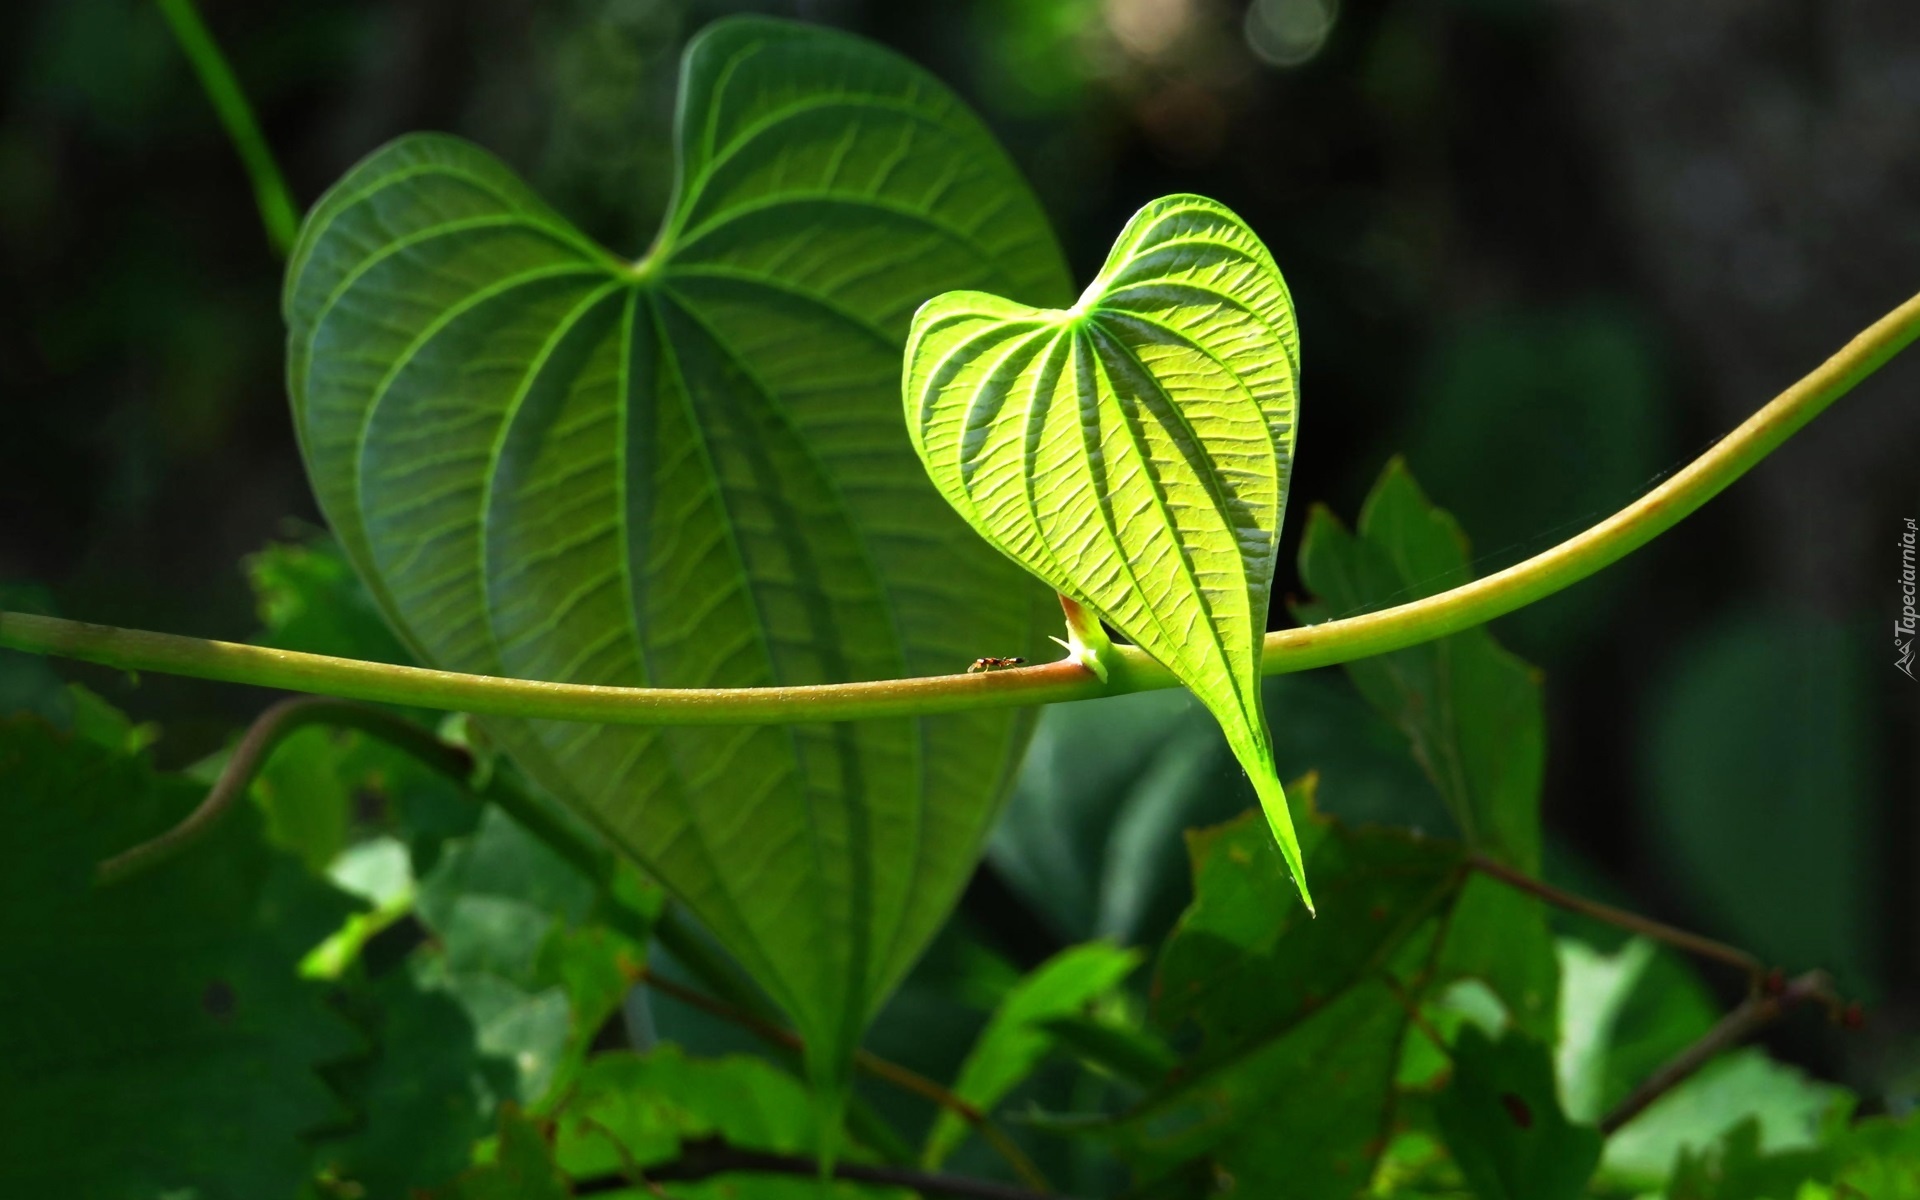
x=420, y=1097
x=687, y=471
x=1471, y=710
x=1473, y=716
x=1300, y=1021
x=1134, y=450
x=1876, y=1159
x=155, y=1038
x=1503, y=1123
x=522, y=1168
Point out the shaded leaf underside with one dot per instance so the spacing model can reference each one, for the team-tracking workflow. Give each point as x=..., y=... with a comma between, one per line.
x=688, y=472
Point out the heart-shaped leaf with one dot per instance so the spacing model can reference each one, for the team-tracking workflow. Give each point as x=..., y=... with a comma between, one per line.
x=687, y=471
x=1134, y=450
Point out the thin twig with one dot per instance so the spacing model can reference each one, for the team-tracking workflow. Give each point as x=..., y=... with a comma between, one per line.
x=706, y=1157
x=872, y=1064
x=1692, y=943
x=257, y=745
x=1754, y=1013
x=1129, y=668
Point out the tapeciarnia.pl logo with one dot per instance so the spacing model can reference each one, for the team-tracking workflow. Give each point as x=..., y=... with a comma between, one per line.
x=1903, y=625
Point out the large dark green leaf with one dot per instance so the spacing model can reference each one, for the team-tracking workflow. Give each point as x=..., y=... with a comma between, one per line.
x=1134, y=450
x=689, y=471
x=155, y=1038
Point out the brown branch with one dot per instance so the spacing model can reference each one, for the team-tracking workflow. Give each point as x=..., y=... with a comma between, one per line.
x=257, y=745
x=1681, y=939
x=1756, y=1012
x=880, y=1068
x=704, y=1158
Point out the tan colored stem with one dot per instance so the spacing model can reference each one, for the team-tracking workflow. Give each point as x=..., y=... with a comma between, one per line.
x=1620, y=918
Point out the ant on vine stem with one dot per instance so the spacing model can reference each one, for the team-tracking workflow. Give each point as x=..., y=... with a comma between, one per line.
x=993, y=664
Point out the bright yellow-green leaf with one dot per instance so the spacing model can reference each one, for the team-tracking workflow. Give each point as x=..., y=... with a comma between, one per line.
x=1134, y=450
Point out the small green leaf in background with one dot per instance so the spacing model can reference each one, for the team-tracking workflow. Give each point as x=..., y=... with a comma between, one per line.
x=514, y=948
x=100, y=722
x=155, y=1037
x=1016, y=1039
x=309, y=599
x=522, y=1167
x=1134, y=451
x=1876, y=1159
x=1596, y=987
x=629, y=1111
x=1244, y=962
x=1502, y=1121
x=638, y=1108
x=688, y=471
x=1788, y=1110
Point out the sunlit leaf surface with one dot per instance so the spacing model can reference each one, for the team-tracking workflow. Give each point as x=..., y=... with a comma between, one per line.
x=1134, y=450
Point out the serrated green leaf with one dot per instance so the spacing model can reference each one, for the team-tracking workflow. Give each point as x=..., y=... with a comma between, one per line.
x=422, y=1094
x=1503, y=1124
x=1876, y=1159
x=1300, y=1115
x=522, y=1167
x=1471, y=710
x=1744, y=1085
x=632, y=1112
x=514, y=947
x=1291, y=1088
x=1016, y=1039
x=1092, y=836
x=1134, y=450
x=688, y=472
x=1244, y=964
x=155, y=1039
x=1473, y=716
x=639, y=1108
x=308, y=599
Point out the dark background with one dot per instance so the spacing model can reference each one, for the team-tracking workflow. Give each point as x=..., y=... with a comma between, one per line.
x=1549, y=249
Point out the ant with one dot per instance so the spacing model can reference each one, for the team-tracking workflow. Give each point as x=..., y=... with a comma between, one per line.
x=993, y=664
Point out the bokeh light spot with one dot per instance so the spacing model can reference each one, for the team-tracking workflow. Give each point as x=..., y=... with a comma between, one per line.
x=1289, y=33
